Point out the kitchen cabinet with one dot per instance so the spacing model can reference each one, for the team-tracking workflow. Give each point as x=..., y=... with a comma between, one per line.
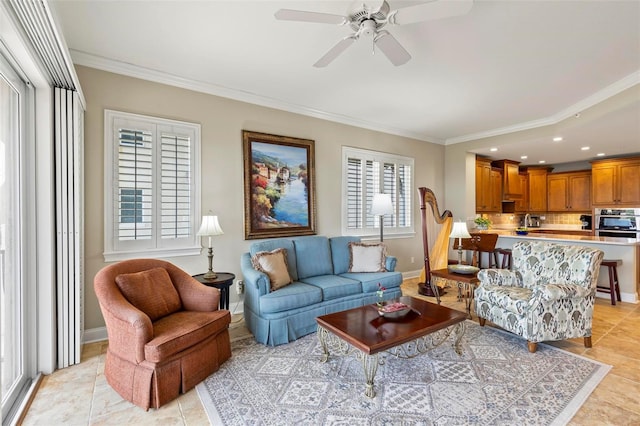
x=488, y=187
x=569, y=192
x=615, y=182
x=538, y=189
x=522, y=205
x=511, y=189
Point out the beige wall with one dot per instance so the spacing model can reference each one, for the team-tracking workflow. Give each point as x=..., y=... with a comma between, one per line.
x=222, y=121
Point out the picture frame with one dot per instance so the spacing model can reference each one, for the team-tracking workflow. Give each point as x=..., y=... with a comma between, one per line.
x=279, y=186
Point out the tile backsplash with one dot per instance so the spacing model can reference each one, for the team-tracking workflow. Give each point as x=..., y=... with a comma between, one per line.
x=513, y=219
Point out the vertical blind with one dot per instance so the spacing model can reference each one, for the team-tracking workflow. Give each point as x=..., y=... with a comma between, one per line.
x=69, y=179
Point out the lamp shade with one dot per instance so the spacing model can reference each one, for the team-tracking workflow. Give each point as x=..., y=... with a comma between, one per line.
x=381, y=205
x=209, y=227
x=459, y=230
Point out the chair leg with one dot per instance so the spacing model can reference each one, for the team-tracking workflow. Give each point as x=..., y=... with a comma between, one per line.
x=587, y=341
x=617, y=283
x=612, y=285
x=481, y=321
x=533, y=346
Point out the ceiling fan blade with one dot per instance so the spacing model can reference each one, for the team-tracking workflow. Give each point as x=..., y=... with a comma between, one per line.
x=301, y=15
x=335, y=51
x=438, y=9
x=392, y=49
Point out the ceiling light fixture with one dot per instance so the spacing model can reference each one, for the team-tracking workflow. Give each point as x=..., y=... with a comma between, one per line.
x=523, y=157
x=600, y=154
x=493, y=149
x=585, y=148
x=541, y=162
x=557, y=139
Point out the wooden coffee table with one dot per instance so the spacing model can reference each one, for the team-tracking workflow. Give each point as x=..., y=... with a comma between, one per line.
x=365, y=333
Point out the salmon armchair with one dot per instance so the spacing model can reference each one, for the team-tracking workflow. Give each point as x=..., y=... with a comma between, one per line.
x=166, y=333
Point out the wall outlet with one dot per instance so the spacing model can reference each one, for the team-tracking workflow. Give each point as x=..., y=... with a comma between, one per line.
x=239, y=287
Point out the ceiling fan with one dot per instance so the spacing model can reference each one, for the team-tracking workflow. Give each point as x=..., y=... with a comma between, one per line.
x=368, y=20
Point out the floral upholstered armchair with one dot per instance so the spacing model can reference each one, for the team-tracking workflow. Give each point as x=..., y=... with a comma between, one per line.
x=549, y=294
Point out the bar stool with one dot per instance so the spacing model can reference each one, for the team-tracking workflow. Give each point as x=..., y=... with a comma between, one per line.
x=507, y=258
x=614, y=285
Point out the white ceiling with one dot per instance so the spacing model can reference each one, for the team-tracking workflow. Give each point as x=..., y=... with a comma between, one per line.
x=504, y=66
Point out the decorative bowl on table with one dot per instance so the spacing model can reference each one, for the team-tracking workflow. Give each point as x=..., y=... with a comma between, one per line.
x=522, y=231
x=463, y=269
x=393, y=309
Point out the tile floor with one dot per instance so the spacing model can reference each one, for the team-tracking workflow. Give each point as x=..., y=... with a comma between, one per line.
x=79, y=395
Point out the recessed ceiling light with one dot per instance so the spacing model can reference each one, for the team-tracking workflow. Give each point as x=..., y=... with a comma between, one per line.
x=542, y=161
x=557, y=139
x=600, y=154
x=493, y=149
x=523, y=157
x=585, y=148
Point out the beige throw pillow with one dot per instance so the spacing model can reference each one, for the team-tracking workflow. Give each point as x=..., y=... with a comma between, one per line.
x=367, y=257
x=274, y=264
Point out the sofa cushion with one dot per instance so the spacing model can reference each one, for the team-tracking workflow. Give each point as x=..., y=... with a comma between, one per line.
x=367, y=257
x=334, y=286
x=270, y=245
x=293, y=296
x=340, y=253
x=370, y=280
x=182, y=330
x=151, y=291
x=313, y=256
x=274, y=264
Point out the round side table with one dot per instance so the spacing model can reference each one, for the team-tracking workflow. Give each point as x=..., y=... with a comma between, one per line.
x=222, y=282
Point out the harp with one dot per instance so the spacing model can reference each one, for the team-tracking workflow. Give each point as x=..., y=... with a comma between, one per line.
x=427, y=196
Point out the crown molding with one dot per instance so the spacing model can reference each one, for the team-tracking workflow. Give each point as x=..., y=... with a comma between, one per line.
x=600, y=96
x=110, y=65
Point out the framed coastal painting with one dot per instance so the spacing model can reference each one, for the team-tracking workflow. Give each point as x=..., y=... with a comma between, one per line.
x=279, y=186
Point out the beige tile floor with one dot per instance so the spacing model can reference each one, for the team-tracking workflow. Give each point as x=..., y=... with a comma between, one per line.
x=79, y=395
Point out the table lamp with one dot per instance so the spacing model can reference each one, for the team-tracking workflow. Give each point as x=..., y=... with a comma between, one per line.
x=380, y=206
x=209, y=228
x=459, y=231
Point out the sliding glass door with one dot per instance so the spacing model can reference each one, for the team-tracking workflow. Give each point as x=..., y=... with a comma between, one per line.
x=13, y=288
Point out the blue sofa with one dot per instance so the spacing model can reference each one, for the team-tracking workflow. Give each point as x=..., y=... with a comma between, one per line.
x=321, y=284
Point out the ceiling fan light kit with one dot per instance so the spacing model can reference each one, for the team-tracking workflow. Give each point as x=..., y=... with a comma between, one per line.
x=369, y=21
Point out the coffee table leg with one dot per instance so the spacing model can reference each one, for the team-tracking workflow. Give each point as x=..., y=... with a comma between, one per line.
x=458, y=332
x=322, y=337
x=370, y=367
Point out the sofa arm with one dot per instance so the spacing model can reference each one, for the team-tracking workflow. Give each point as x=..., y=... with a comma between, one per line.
x=390, y=263
x=560, y=291
x=500, y=277
x=194, y=295
x=253, y=278
x=127, y=327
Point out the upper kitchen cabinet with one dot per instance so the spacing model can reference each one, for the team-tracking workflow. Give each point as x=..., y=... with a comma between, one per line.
x=488, y=187
x=511, y=188
x=522, y=205
x=569, y=192
x=538, y=188
x=615, y=182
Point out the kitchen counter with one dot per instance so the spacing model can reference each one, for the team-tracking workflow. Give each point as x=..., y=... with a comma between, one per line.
x=545, y=235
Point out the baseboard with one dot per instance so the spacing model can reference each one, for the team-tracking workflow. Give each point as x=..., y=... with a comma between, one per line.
x=94, y=335
x=100, y=333
x=411, y=274
x=626, y=297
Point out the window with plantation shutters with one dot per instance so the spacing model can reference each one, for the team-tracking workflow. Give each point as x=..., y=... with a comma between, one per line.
x=152, y=186
x=366, y=173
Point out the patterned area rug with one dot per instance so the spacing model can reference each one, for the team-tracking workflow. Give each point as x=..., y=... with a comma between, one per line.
x=496, y=381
